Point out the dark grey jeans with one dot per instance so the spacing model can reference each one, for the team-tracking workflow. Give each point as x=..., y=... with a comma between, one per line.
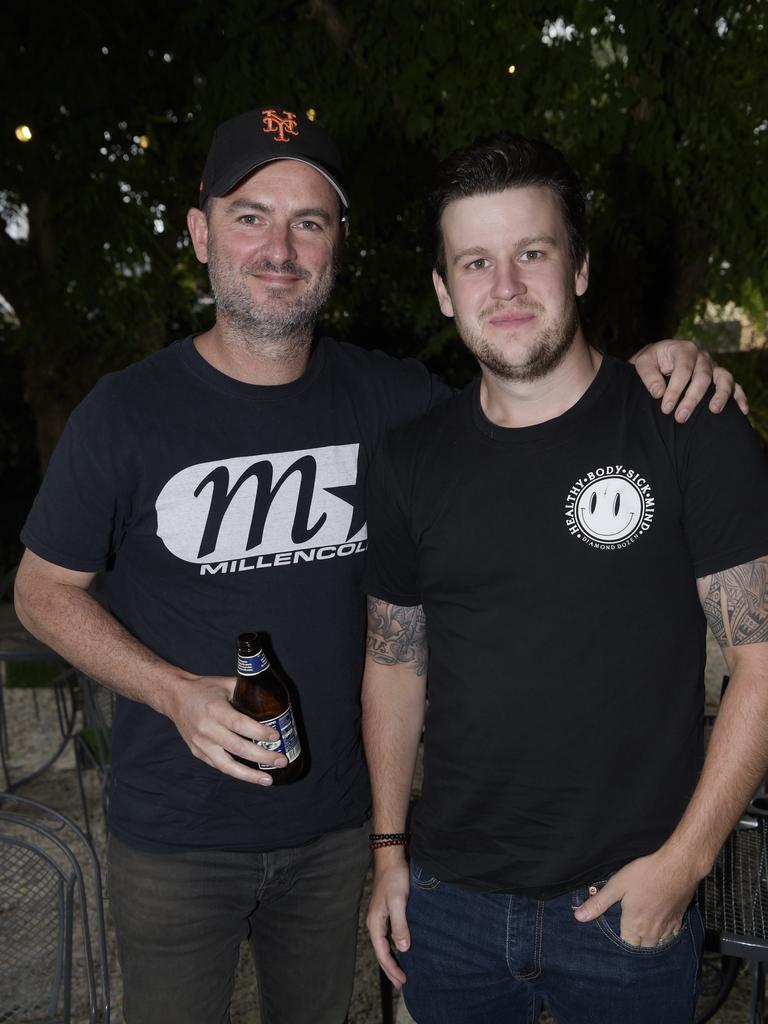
x=180, y=919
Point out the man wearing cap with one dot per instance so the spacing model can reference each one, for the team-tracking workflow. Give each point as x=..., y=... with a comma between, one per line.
x=219, y=485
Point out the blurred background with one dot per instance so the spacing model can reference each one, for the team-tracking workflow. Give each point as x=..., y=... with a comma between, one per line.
x=107, y=115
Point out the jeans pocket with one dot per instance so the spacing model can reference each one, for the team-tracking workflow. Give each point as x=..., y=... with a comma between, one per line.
x=422, y=877
x=610, y=925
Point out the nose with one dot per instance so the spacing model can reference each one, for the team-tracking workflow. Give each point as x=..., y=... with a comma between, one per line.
x=279, y=244
x=507, y=282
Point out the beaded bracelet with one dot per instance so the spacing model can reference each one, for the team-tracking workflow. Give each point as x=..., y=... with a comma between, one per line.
x=378, y=839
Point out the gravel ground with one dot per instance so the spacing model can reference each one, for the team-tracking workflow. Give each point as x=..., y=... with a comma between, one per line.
x=32, y=728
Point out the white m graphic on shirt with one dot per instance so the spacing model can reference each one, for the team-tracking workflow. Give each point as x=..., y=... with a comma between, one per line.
x=262, y=504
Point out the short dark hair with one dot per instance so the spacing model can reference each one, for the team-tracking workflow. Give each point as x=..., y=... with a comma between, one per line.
x=507, y=160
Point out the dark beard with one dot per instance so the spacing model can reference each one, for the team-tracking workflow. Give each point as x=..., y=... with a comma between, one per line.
x=548, y=350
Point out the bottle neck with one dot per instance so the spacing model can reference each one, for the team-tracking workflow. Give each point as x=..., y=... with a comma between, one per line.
x=252, y=663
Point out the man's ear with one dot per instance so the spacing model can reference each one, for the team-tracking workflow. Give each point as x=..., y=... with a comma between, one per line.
x=443, y=298
x=343, y=238
x=581, y=281
x=197, y=223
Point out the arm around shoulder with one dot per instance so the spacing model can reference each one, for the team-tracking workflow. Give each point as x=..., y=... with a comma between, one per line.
x=673, y=368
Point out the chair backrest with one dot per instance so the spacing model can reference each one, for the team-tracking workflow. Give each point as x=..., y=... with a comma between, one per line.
x=51, y=918
x=734, y=895
x=98, y=714
x=93, y=744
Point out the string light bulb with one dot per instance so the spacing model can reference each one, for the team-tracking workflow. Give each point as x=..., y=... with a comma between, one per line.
x=23, y=133
x=511, y=69
x=311, y=114
x=144, y=141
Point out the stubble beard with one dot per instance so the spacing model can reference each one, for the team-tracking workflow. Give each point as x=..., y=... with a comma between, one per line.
x=545, y=352
x=276, y=321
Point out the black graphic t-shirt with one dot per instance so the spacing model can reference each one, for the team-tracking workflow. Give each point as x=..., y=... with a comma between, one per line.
x=557, y=568
x=218, y=507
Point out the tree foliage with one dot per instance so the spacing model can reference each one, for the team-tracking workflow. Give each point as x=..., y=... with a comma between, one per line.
x=662, y=108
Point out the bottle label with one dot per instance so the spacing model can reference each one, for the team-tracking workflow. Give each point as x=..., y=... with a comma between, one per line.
x=251, y=665
x=288, y=743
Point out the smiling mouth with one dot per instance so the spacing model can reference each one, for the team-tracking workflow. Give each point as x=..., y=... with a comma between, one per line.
x=605, y=535
x=277, y=274
x=511, y=320
x=277, y=279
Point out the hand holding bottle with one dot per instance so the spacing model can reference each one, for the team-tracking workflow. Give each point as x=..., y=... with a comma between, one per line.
x=201, y=709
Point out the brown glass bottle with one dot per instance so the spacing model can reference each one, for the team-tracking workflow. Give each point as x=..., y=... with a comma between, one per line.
x=262, y=695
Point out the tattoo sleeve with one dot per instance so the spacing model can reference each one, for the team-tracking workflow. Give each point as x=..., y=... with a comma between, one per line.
x=735, y=602
x=397, y=635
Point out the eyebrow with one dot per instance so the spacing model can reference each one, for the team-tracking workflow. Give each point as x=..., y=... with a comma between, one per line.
x=521, y=243
x=252, y=206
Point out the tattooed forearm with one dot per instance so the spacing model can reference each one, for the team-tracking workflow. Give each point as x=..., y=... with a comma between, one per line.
x=735, y=602
x=397, y=635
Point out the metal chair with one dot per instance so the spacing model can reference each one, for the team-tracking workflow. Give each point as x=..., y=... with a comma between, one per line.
x=734, y=902
x=51, y=918
x=93, y=744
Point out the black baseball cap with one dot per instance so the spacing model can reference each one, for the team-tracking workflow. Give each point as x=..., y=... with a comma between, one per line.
x=272, y=132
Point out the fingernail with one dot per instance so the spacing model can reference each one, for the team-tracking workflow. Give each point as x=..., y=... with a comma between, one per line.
x=402, y=945
x=716, y=406
x=281, y=762
x=682, y=416
x=667, y=406
x=657, y=390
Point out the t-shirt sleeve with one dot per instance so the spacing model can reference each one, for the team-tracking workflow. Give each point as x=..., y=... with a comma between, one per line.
x=724, y=475
x=439, y=390
x=410, y=389
x=391, y=569
x=74, y=520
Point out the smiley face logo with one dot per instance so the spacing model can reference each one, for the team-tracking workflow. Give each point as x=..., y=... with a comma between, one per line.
x=610, y=509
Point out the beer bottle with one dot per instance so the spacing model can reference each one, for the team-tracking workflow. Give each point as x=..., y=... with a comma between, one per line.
x=262, y=695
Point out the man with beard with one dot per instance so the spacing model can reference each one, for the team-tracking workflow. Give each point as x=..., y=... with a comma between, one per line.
x=220, y=485
x=537, y=544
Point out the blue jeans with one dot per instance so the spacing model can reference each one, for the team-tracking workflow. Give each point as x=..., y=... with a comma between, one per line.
x=180, y=919
x=490, y=957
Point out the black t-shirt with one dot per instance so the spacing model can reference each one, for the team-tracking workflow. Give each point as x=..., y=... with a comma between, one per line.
x=219, y=507
x=556, y=565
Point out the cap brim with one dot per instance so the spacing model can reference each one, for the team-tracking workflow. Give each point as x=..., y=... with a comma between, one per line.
x=222, y=187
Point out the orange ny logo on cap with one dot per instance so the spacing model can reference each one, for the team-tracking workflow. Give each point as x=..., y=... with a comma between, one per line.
x=274, y=123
